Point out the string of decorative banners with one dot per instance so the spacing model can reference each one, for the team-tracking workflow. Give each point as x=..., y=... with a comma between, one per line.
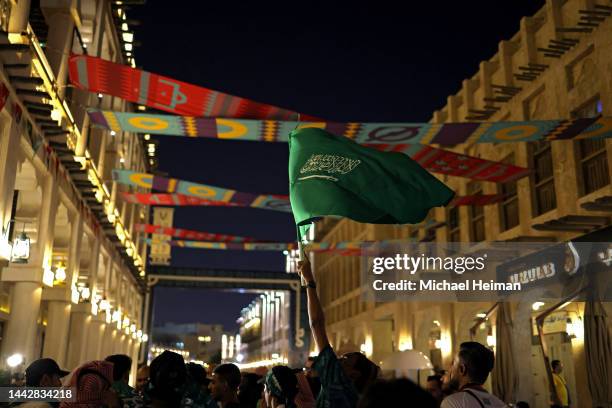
x=431, y=158
x=179, y=200
x=447, y=162
x=191, y=234
x=208, y=192
x=101, y=76
x=350, y=248
x=444, y=134
x=343, y=248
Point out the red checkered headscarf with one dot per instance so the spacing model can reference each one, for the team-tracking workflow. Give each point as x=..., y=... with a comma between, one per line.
x=91, y=380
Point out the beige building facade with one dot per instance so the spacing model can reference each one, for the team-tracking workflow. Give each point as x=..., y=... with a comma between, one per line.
x=78, y=294
x=559, y=65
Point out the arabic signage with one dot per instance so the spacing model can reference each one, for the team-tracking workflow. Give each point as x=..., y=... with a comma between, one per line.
x=160, y=248
x=570, y=263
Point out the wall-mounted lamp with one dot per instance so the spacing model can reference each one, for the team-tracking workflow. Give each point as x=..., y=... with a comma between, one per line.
x=21, y=248
x=84, y=292
x=60, y=273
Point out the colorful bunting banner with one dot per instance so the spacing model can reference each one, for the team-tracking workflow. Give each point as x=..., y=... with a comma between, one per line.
x=173, y=200
x=180, y=200
x=243, y=246
x=455, y=164
x=445, y=134
x=433, y=159
x=341, y=248
x=98, y=75
x=191, y=234
x=171, y=185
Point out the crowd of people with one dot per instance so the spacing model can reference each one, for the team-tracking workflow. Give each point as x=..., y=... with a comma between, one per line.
x=326, y=381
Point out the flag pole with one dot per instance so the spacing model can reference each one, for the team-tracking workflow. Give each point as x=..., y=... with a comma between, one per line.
x=302, y=257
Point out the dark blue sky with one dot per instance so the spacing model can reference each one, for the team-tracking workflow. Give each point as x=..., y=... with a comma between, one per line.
x=351, y=61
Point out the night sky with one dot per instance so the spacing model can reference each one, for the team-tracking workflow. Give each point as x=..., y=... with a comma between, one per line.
x=343, y=61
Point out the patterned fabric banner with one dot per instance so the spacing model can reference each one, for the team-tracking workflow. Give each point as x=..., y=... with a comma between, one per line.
x=171, y=185
x=179, y=200
x=97, y=75
x=173, y=200
x=455, y=164
x=243, y=246
x=191, y=234
x=342, y=248
x=445, y=134
x=433, y=159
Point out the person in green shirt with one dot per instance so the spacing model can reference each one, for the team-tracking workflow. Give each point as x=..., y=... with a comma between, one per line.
x=121, y=374
x=343, y=378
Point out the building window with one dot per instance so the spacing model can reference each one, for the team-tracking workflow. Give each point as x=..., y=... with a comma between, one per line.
x=509, y=208
x=476, y=214
x=454, y=229
x=543, y=185
x=591, y=155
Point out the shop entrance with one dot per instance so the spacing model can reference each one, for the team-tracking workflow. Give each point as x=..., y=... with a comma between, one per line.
x=558, y=347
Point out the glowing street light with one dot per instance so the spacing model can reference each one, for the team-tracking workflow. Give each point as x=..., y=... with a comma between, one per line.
x=14, y=360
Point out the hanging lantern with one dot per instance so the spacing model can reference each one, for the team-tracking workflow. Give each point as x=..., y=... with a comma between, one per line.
x=21, y=249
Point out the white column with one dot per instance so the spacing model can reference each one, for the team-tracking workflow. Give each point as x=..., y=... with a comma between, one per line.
x=43, y=248
x=80, y=319
x=94, y=264
x=134, y=356
x=22, y=329
x=122, y=343
x=21, y=332
x=97, y=329
x=74, y=251
x=110, y=340
x=58, y=323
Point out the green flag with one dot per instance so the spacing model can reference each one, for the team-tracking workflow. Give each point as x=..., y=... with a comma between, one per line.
x=332, y=175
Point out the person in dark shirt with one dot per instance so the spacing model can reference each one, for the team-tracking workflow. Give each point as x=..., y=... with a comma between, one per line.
x=312, y=376
x=166, y=381
x=396, y=392
x=342, y=379
x=250, y=390
x=224, y=385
